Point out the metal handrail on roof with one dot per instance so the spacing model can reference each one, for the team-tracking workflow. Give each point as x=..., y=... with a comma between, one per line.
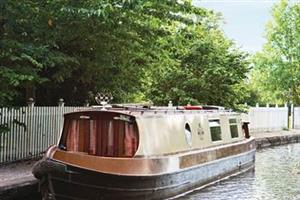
x=141, y=110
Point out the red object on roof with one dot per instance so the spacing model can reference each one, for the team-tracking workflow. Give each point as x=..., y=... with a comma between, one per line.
x=189, y=107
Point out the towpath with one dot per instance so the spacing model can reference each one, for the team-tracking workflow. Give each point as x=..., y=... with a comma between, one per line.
x=275, y=133
x=17, y=181
x=275, y=138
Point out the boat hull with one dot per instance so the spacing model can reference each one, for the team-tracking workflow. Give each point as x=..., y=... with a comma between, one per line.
x=64, y=181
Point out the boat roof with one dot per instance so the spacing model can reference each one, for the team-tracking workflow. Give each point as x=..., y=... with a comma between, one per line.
x=138, y=111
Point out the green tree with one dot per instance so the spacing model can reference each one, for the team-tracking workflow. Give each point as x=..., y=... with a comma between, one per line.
x=208, y=69
x=138, y=50
x=73, y=49
x=276, y=72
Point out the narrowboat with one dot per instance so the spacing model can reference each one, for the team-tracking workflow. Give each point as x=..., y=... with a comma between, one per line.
x=132, y=152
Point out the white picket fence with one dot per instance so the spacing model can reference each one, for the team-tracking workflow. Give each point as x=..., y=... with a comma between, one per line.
x=268, y=118
x=296, y=118
x=30, y=130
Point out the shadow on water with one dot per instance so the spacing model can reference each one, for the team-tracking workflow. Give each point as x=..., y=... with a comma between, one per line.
x=33, y=196
x=29, y=192
x=276, y=177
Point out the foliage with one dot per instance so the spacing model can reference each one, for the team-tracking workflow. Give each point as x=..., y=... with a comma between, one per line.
x=209, y=70
x=139, y=50
x=277, y=67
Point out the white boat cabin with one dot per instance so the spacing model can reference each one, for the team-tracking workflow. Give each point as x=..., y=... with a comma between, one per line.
x=148, y=132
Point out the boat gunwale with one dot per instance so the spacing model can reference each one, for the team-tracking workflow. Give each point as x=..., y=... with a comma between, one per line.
x=176, y=157
x=160, y=174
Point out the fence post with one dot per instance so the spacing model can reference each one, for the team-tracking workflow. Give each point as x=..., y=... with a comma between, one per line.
x=292, y=116
x=170, y=104
x=59, y=118
x=30, y=102
x=30, y=128
x=286, y=106
x=61, y=102
x=86, y=103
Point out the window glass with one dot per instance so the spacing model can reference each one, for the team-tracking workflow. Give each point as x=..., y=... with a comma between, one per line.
x=233, y=128
x=215, y=130
x=232, y=121
x=100, y=136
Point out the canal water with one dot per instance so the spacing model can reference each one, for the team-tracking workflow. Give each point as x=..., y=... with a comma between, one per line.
x=276, y=177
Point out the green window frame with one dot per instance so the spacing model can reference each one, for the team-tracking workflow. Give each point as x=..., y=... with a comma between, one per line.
x=233, y=128
x=215, y=130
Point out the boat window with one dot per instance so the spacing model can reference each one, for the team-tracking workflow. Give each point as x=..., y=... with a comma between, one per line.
x=100, y=136
x=188, y=134
x=215, y=130
x=233, y=128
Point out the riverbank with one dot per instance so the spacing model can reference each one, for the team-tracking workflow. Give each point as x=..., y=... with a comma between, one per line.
x=276, y=138
x=17, y=181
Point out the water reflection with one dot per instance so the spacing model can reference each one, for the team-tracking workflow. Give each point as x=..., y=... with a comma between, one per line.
x=276, y=177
